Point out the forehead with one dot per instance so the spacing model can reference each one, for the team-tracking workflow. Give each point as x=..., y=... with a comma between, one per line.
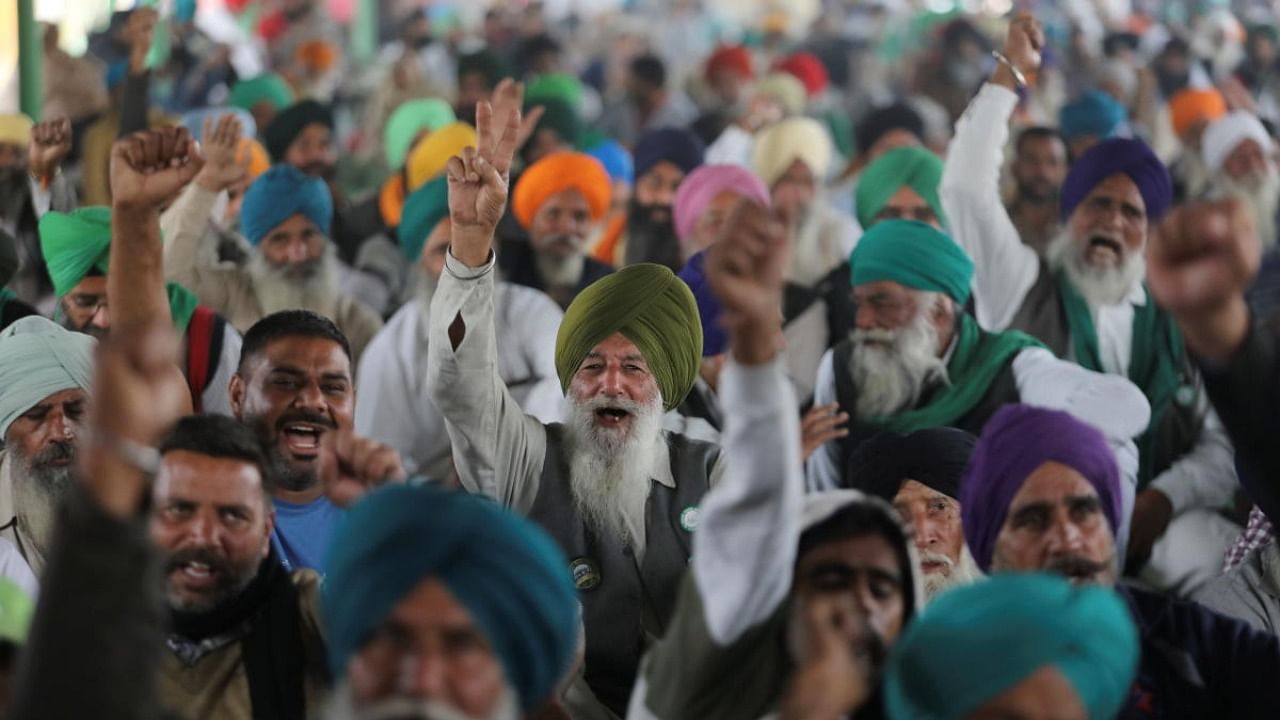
x=1247, y=147
x=320, y=355
x=294, y=224
x=881, y=287
x=1052, y=482
x=568, y=199
x=914, y=491
x=194, y=476
x=1118, y=188
x=616, y=346
x=90, y=285
x=664, y=171
x=314, y=132
x=872, y=550
x=1037, y=144
x=430, y=604
x=905, y=196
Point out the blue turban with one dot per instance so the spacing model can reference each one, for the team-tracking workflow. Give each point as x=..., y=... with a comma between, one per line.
x=194, y=121
x=679, y=147
x=1093, y=113
x=509, y=575
x=1119, y=155
x=279, y=194
x=1016, y=441
x=115, y=74
x=39, y=358
x=616, y=161
x=915, y=255
x=974, y=643
x=714, y=338
x=423, y=210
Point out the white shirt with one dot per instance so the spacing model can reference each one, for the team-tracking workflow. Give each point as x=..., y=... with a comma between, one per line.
x=1005, y=269
x=393, y=405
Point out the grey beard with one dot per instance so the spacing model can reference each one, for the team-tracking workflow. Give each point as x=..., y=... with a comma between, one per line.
x=1098, y=286
x=965, y=572
x=342, y=706
x=1262, y=193
x=560, y=272
x=892, y=380
x=812, y=254
x=37, y=493
x=283, y=288
x=610, y=470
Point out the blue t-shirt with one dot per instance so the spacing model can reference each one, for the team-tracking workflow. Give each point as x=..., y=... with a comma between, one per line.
x=303, y=532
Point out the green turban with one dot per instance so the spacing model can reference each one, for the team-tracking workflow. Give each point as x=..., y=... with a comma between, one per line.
x=652, y=308
x=559, y=116
x=423, y=210
x=39, y=358
x=268, y=87
x=912, y=167
x=913, y=254
x=555, y=86
x=409, y=119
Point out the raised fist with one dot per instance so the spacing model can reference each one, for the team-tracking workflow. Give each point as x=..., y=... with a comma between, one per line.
x=745, y=266
x=50, y=143
x=351, y=465
x=150, y=168
x=1023, y=42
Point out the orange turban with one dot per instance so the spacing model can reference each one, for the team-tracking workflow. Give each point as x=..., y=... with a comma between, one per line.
x=553, y=175
x=258, y=160
x=317, y=55
x=1189, y=106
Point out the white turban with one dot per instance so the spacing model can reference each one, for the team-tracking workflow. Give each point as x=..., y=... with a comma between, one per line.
x=1226, y=133
x=781, y=144
x=38, y=358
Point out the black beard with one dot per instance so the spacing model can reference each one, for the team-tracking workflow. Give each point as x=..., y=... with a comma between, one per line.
x=15, y=192
x=650, y=240
x=1028, y=193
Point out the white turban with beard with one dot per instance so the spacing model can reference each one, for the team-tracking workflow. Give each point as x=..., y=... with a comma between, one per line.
x=892, y=368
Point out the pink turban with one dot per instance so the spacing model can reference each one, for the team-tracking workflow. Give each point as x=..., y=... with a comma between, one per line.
x=704, y=184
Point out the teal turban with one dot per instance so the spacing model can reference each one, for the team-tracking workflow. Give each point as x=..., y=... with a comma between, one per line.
x=652, y=308
x=509, y=575
x=280, y=193
x=912, y=167
x=38, y=359
x=976, y=642
x=558, y=116
x=913, y=254
x=409, y=119
x=423, y=210
x=269, y=87
x=74, y=243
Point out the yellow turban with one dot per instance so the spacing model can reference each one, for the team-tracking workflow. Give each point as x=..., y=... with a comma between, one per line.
x=780, y=144
x=652, y=308
x=556, y=173
x=431, y=156
x=15, y=129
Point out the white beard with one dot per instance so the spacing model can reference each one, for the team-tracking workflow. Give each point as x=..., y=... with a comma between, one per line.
x=813, y=254
x=277, y=289
x=965, y=572
x=560, y=271
x=1262, y=193
x=342, y=706
x=892, y=380
x=610, y=470
x=1098, y=286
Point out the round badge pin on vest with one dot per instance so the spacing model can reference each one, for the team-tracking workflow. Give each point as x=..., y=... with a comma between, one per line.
x=584, y=573
x=1185, y=395
x=689, y=518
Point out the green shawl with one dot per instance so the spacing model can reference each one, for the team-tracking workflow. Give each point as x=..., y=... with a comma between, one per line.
x=978, y=358
x=1154, y=365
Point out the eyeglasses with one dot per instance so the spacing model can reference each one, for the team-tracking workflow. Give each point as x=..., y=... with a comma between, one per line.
x=89, y=303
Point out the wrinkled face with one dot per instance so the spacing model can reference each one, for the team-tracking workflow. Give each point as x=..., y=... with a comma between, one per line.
x=312, y=151
x=616, y=377
x=707, y=227
x=1246, y=161
x=1056, y=524
x=1110, y=224
x=935, y=522
x=211, y=518
x=13, y=157
x=907, y=204
x=296, y=244
x=795, y=191
x=885, y=305
x=1043, y=695
x=862, y=579
x=46, y=435
x=560, y=227
x=428, y=652
x=292, y=393
x=1040, y=168
x=85, y=307
x=657, y=189
x=891, y=140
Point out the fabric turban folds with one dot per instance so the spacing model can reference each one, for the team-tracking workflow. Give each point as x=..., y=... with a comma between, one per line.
x=1192, y=105
x=652, y=308
x=38, y=359
x=704, y=184
x=781, y=144
x=1094, y=113
x=715, y=340
x=934, y=457
x=556, y=173
x=1227, y=133
x=974, y=643
x=678, y=147
x=431, y=156
x=915, y=255
x=912, y=167
x=1119, y=156
x=1016, y=441
x=506, y=572
x=269, y=88
x=423, y=210
x=282, y=192
x=289, y=124
x=409, y=119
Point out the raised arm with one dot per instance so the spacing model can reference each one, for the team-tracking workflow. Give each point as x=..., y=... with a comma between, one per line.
x=50, y=189
x=970, y=190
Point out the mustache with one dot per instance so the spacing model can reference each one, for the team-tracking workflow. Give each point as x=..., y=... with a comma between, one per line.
x=205, y=556
x=1075, y=566
x=57, y=450
x=600, y=402
x=302, y=416
x=861, y=337
x=933, y=557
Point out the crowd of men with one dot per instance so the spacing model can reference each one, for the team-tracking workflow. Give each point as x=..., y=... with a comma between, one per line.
x=646, y=364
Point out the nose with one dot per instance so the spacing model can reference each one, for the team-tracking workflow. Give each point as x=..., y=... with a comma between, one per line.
x=203, y=530
x=1064, y=537
x=865, y=319
x=310, y=398
x=425, y=677
x=61, y=427
x=926, y=531
x=101, y=317
x=611, y=382
x=296, y=252
x=568, y=225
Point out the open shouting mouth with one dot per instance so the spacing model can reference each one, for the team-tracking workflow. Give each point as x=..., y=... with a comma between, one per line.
x=1103, y=250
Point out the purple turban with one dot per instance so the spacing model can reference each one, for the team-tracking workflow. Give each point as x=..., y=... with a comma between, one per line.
x=674, y=145
x=714, y=338
x=1119, y=155
x=704, y=184
x=1016, y=441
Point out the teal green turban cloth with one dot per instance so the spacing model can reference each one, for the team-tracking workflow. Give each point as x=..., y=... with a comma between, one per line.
x=270, y=88
x=972, y=644
x=912, y=167
x=423, y=210
x=508, y=573
x=280, y=193
x=555, y=86
x=652, y=308
x=913, y=254
x=38, y=358
x=559, y=116
x=409, y=119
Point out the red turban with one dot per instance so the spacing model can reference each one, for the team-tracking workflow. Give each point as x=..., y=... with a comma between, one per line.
x=807, y=69
x=553, y=175
x=731, y=58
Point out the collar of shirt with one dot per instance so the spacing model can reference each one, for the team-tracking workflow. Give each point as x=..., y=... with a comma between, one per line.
x=1137, y=295
x=190, y=652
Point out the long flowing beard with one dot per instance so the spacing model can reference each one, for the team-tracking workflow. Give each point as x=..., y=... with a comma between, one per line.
x=811, y=259
x=561, y=271
x=965, y=572
x=38, y=489
x=343, y=706
x=1262, y=192
x=610, y=468
x=311, y=287
x=892, y=379
x=1098, y=285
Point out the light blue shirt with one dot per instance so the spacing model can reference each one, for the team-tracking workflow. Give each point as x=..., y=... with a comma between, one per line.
x=303, y=532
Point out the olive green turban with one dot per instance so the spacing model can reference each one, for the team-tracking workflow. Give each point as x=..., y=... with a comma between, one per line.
x=652, y=308
x=912, y=167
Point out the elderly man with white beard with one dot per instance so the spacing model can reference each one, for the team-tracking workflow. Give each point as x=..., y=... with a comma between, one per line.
x=916, y=360
x=1088, y=302
x=619, y=495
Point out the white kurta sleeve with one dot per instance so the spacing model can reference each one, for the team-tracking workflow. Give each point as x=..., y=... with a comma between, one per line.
x=535, y=322
x=1004, y=268
x=1206, y=476
x=497, y=449
x=822, y=469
